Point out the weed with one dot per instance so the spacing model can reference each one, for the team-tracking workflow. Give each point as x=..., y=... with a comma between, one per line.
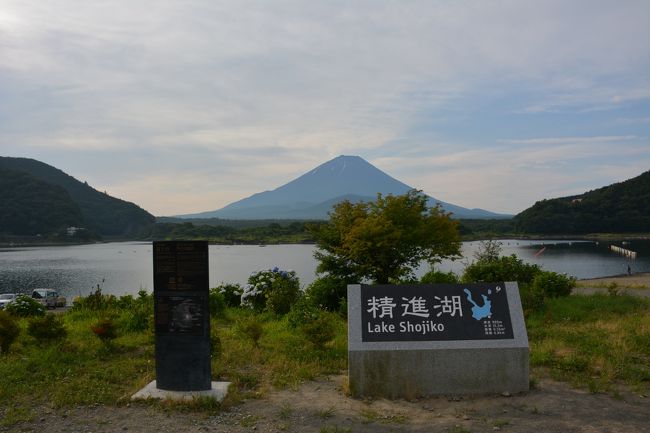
x=285, y=411
x=335, y=429
x=15, y=414
x=9, y=331
x=370, y=415
x=48, y=328
x=325, y=413
x=105, y=330
x=613, y=289
x=458, y=429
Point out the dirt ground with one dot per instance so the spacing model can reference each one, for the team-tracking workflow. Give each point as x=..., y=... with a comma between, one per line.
x=636, y=284
x=321, y=406
x=635, y=280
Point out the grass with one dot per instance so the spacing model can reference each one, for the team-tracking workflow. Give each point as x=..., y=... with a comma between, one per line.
x=593, y=341
x=82, y=370
x=596, y=342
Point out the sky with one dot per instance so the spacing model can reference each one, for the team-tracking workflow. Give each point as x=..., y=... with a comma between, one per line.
x=185, y=106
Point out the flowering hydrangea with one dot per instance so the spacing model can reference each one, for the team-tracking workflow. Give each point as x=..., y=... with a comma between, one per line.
x=272, y=289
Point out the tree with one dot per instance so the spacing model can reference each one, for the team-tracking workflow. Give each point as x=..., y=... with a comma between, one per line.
x=384, y=240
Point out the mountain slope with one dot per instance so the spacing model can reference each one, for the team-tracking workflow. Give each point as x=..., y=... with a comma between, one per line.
x=31, y=206
x=313, y=194
x=620, y=207
x=100, y=212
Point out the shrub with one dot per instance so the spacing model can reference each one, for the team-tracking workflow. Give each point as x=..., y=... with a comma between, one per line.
x=105, y=330
x=97, y=301
x=25, y=306
x=48, y=328
x=251, y=328
x=321, y=330
x=135, y=314
x=216, y=347
x=9, y=331
x=532, y=299
x=135, y=319
x=273, y=290
x=507, y=268
x=553, y=285
x=302, y=311
x=316, y=325
x=438, y=277
x=217, y=301
x=231, y=294
x=327, y=292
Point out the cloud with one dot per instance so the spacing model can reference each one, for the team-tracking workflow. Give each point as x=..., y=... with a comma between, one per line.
x=234, y=97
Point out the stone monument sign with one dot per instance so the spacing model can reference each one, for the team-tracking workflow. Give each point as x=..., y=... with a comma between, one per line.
x=182, y=316
x=416, y=340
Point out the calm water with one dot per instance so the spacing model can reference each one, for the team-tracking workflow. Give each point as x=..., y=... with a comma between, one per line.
x=126, y=267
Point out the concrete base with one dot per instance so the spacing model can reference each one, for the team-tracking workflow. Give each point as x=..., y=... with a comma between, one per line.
x=218, y=392
x=419, y=373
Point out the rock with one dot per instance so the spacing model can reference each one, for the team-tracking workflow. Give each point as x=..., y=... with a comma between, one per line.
x=506, y=394
x=465, y=417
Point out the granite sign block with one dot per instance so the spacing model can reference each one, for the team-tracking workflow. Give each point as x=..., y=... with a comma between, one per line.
x=416, y=340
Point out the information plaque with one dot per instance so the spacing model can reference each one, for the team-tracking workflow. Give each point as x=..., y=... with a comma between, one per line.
x=182, y=316
x=446, y=312
x=406, y=341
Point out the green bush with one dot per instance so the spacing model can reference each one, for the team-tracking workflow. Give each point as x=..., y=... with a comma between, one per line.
x=48, y=328
x=316, y=325
x=321, y=330
x=438, y=277
x=327, y=293
x=273, y=290
x=97, y=301
x=553, y=285
x=231, y=294
x=507, y=268
x=217, y=301
x=136, y=319
x=135, y=313
x=250, y=327
x=9, y=330
x=25, y=306
x=216, y=347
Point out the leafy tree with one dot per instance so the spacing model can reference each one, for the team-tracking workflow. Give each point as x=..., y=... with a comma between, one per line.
x=384, y=240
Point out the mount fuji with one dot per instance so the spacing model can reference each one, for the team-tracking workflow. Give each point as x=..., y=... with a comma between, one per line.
x=312, y=195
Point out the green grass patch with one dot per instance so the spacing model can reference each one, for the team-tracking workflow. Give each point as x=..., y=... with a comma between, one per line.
x=593, y=341
x=83, y=370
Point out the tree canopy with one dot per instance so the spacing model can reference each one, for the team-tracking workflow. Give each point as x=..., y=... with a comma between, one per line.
x=384, y=240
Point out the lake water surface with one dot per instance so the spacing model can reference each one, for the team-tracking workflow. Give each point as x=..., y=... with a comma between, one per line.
x=126, y=267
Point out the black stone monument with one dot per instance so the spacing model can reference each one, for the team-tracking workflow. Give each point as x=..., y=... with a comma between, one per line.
x=182, y=315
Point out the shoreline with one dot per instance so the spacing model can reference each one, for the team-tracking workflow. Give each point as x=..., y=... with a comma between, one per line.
x=638, y=280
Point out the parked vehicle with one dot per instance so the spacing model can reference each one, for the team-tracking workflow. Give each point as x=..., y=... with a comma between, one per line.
x=48, y=297
x=6, y=299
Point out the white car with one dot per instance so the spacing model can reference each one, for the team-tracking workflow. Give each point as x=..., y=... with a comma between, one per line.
x=6, y=299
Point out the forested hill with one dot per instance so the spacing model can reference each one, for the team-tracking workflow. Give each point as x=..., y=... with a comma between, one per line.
x=99, y=212
x=621, y=207
x=31, y=206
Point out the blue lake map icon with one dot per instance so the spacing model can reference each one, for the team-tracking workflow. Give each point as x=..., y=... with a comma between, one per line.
x=483, y=312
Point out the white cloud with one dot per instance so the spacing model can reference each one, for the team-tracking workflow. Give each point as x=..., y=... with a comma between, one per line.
x=246, y=95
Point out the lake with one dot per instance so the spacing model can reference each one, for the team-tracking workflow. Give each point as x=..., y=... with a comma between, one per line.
x=126, y=267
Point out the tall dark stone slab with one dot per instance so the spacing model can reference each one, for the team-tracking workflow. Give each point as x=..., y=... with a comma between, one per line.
x=182, y=316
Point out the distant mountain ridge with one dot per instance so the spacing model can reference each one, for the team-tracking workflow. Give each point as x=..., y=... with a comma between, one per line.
x=617, y=208
x=53, y=189
x=312, y=195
